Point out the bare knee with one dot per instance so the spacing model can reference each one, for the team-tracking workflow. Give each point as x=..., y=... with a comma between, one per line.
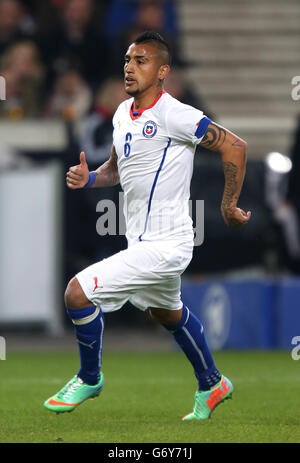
x=74, y=296
x=165, y=316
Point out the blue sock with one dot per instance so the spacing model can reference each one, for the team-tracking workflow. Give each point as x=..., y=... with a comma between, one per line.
x=89, y=327
x=188, y=333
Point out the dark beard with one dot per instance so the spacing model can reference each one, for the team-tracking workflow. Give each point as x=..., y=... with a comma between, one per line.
x=132, y=92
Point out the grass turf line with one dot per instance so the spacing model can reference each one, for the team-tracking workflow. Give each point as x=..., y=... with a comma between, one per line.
x=144, y=398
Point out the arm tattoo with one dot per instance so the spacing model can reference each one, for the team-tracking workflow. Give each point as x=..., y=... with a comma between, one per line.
x=107, y=177
x=107, y=174
x=230, y=191
x=214, y=137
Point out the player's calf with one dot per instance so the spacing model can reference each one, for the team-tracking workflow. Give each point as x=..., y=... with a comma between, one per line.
x=213, y=388
x=88, y=323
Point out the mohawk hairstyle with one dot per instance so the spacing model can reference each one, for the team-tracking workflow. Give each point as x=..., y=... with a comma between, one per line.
x=157, y=39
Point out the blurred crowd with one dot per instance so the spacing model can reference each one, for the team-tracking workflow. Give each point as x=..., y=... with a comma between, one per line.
x=59, y=56
x=63, y=59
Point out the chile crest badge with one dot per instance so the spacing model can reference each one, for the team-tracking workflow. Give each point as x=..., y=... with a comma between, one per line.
x=150, y=129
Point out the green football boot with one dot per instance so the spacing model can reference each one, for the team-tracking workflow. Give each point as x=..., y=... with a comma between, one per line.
x=206, y=401
x=74, y=393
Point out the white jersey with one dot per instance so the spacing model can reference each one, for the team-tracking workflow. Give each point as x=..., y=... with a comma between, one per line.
x=155, y=148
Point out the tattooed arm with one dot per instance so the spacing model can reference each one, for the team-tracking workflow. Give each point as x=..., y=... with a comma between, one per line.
x=106, y=175
x=234, y=153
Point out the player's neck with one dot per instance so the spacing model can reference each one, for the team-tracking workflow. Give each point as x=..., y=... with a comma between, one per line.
x=145, y=100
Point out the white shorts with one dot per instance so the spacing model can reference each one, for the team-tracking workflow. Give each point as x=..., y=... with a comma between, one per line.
x=147, y=274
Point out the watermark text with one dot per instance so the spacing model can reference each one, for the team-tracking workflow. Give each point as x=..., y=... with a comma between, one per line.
x=295, y=93
x=2, y=348
x=295, y=353
x=164, y=218
x=2, y=89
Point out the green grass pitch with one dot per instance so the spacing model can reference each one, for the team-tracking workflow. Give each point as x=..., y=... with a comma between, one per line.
x=144, y=397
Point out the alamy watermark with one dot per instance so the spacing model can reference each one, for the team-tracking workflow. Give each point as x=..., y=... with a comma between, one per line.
x=295, y=93
x=2, y=348
x=2, y=89
x=295, y=352
x=161, y=217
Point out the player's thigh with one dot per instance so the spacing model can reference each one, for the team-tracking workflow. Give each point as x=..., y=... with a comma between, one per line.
x=164, y=294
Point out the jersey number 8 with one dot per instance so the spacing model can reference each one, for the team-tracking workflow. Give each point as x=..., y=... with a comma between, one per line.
x=127, y=147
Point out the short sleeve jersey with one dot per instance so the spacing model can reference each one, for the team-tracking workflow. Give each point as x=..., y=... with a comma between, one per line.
x=155, y=148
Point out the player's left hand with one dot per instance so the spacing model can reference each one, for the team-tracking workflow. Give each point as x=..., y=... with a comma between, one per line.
x=235, y=217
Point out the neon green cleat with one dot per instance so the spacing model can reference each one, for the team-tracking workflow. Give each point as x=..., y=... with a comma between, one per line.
x=74, y=393
x=206, y=401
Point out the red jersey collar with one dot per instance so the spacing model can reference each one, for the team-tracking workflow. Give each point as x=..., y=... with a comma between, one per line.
x=136, y=113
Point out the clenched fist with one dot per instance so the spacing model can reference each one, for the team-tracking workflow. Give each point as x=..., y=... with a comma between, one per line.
x=78, y=176
x=235, y=217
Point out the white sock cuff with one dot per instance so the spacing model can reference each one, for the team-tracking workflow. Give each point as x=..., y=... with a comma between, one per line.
x=88, y=319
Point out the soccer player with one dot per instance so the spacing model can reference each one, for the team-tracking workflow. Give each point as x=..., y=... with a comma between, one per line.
x=154, y=142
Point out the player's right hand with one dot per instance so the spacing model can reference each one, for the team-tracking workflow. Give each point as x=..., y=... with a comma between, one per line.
x=78, y=176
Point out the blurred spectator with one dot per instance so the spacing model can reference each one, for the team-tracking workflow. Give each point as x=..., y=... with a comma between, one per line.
x=75, y=40
x=182, y=90
x=147, y=15
x=283, y=199
x=15, y=23
x=21, y=67
x=289, y=209
x=96, y=139
x=12, y=107
x=293, y=193
x=282, y=234
x=71, y=98
x=122, y=14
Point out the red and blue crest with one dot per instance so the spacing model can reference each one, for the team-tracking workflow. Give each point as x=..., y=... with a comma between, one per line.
x=150, y=129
